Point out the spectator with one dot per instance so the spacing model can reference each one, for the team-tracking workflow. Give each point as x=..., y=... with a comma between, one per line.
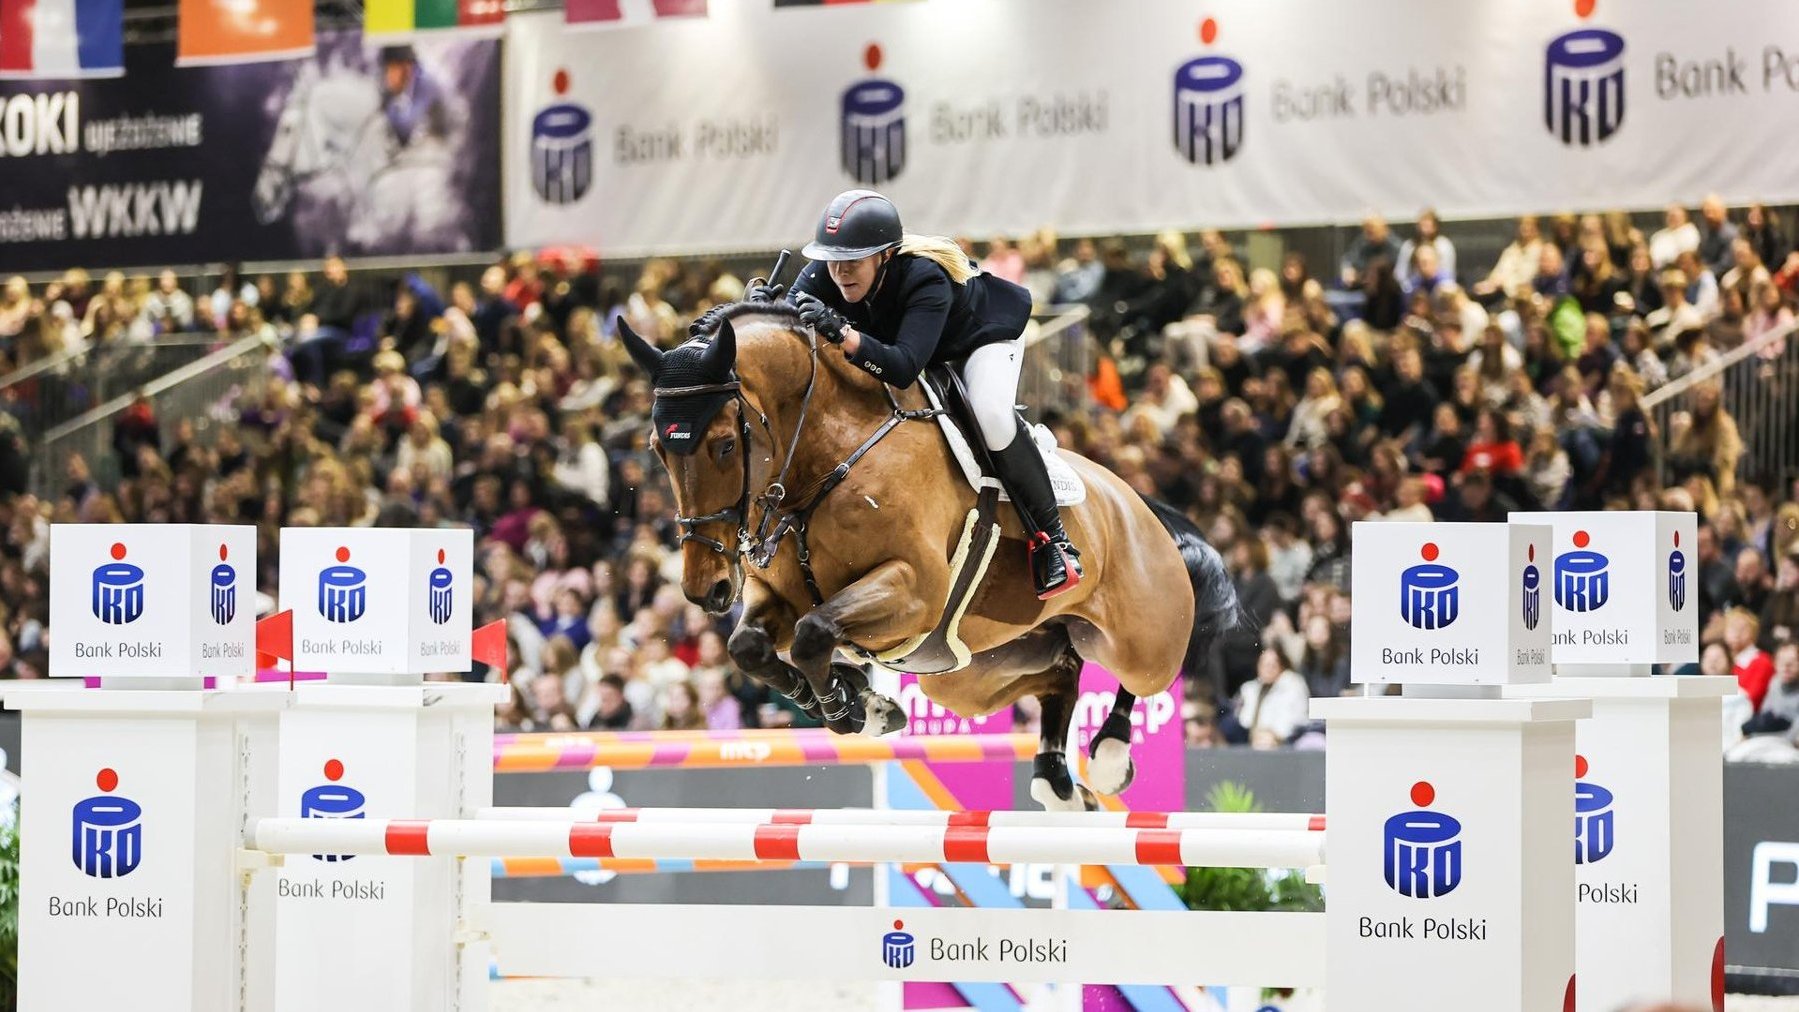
x=1780, y=615
x=1677, y=235
x=1705, y=440
x=1761, y=227
x=1719, y=233
x=681, y=709
x=1641, y=292
x=1781, y=704
x=1596, y=284
x=723, y=711
x=1518, y=264
x=1745, y=270
x=612, y=711
x=1702, y=286
x=550, y=710
x=1324, y=664
x=1424, y=272
x=1754, y=586
x=1270, y=708
x=1078, y=278
x=1003, y=260
x=169, y=308
x=1374, y=244
x=1429, y=233
x=1750, y=664
x=1677, y=315
x=1493, y=450
x=1768, y=314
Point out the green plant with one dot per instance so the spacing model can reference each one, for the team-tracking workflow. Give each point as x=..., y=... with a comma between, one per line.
x=1245, y=888
x=9, y=915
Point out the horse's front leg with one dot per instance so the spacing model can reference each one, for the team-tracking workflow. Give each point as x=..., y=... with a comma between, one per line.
x=766, y=620
x=880, y=608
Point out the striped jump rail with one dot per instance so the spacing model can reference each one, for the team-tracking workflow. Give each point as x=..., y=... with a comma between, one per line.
x=563, y=867
x=917, y=817
x=848, y=844
x=634, y=750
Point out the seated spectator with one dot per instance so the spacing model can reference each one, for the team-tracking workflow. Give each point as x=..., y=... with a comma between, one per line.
x=1324, y=664
x=1596, y=284
x=1546, y=470
x=1493, y=450
x=1518, y=264
x=1718, y=236
x=723, y=711
x=1761, y=227
x=1677, y=315
x=1702, y=286
x=1003, y=260
x=1429, y=233
x=1078, y=278
x=1270, y=708
x=1424, y=272
x=1750, y=664
x=1551, y=278
x=1705, y=440
x=1768, y=313
x=1754, y=585
x=681, y=709
x=611, y=710
x=1677, y=235
x=1374, y=243
x=1308, y=429
x=550, y=710
x=1383, y=300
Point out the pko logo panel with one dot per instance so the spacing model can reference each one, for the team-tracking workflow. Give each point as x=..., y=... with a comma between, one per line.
x=118, y=597
x=1583, y=579
x=898, y=947
x=107, y=836
x=343, y=590
x=1429, y=594
x=1583, y=86
x=1422, y=849
x=1595, y=829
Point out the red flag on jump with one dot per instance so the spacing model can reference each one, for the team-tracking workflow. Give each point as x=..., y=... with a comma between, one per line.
x=488, y=645
x=275, y=639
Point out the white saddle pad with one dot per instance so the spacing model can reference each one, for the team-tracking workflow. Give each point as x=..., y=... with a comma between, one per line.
x=1070, y=491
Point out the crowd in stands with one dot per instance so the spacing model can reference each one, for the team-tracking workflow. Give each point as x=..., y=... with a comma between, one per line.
x=1274, y=405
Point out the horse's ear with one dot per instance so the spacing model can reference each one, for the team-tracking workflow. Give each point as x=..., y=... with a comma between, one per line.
x=647, y=357
x=721, y=357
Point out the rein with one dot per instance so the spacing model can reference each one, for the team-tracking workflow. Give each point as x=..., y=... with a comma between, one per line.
x=778, y=520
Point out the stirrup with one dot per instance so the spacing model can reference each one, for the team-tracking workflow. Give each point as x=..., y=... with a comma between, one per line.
x=1041, y=575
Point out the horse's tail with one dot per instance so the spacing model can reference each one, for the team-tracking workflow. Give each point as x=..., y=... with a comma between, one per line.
x=1216, y=609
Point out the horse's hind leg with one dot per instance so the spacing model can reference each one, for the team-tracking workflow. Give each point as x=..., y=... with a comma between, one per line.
x=1109, y=766
x=1052, y=785
x=881, y=715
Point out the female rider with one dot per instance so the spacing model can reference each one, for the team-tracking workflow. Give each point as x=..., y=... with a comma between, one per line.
x=896, y=303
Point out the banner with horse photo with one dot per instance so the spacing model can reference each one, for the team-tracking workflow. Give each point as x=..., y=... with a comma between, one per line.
x=359, y=149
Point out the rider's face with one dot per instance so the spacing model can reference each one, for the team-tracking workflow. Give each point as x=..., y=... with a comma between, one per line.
x=394, y=76
x=855, y=278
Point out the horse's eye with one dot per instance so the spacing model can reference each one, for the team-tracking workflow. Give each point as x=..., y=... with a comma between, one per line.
x=725, y=448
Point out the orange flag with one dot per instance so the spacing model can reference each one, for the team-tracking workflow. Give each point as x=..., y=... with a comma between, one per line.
x=243, y=31
x=275, y=638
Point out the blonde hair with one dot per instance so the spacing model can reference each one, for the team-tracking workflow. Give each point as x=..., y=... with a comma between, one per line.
x=942, y=252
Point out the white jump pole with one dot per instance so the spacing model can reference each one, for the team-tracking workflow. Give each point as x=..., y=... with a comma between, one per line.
x=1215, y=848
x=925, y=817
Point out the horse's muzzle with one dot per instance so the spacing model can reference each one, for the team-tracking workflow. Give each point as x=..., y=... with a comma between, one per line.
x=718, y=599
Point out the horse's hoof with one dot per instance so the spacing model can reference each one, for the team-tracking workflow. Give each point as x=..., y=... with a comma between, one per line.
x=1045, y=795
x=1109, y=769
x=1088, y=801
x=880, y=715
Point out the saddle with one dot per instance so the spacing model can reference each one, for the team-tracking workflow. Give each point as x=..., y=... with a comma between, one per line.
x=941, y=650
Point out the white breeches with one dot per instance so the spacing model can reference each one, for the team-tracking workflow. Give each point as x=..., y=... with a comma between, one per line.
x=990, y=373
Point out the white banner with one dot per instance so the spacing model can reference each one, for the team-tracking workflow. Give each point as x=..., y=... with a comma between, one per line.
x=1001, y=116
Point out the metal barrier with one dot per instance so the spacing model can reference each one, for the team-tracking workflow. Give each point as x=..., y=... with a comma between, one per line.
x=199, y=391
x=59, y=388
x=1058, y=357
x=1759, y=383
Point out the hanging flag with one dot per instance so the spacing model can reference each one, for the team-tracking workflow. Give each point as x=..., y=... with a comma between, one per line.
x=62, y=38
x=385, y=19
x=243, y=31
x=618, y=13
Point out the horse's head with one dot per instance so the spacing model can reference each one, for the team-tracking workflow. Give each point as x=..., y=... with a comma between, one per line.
x=707, y=451
x=275, y=180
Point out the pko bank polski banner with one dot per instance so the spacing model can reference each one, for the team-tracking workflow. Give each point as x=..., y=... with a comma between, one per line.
x=990, y=116
x=358, y=150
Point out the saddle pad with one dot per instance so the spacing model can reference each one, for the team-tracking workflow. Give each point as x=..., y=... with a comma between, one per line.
x=1070, y=491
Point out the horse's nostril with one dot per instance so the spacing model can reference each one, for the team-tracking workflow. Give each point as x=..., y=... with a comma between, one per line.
x=720, y=596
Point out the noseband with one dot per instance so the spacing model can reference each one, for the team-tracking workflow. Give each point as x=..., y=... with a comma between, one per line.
x=778, y=519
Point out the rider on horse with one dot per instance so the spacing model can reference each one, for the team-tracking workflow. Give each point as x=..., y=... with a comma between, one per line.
x=898, y=303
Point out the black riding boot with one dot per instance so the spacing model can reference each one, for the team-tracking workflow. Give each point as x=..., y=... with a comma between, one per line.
x=1055, y=564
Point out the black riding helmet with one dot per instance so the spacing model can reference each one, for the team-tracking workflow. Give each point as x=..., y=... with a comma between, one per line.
x=859, y=223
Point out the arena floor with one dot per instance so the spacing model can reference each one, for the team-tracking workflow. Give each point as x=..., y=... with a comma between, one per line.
x=776, y=996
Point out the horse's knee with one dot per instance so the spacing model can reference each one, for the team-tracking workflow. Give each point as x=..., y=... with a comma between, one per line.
x=751, y=647
x=814, y=638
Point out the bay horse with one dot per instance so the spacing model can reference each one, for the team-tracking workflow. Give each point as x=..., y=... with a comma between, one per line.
x=875, y=521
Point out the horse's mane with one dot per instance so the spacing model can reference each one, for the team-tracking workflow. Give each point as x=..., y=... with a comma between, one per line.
x=784, y=313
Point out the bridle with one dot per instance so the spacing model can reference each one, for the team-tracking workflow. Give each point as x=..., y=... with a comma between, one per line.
x=778, y=520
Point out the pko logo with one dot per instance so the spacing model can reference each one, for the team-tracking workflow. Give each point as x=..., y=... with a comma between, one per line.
x=118, y=590
x=898, y=947
x=108, y=837
x=873, y=126
x=441, y=604
x=332, y=801
x=561, y=148
x=224, y=589
x=1208, y=105
x=1422, y=852
x=1677, y=576
x=1594, y=831
x=1582, y=580
x=1532, y=585
x=343, y=590
x=1429, y=595
x=1583, y=83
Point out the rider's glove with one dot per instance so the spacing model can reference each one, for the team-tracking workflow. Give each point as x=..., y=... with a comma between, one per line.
x=826, y=322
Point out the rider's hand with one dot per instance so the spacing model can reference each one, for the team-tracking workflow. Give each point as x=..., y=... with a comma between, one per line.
x=852, y=341
x=826, y=322
x=759, y=290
